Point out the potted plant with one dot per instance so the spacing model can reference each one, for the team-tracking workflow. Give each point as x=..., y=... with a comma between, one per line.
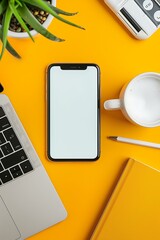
x=23, y=13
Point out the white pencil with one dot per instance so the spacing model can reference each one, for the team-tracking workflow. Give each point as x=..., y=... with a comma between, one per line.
x=133, y=141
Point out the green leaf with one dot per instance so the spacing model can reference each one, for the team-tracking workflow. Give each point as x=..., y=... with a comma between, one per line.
x=5, y=26
x=33, y=22
x=57, y=10
x=60, y=11
x=18, y=2
x=10, y=48
x=3, y=6
x=20, y=20
x=43, y=5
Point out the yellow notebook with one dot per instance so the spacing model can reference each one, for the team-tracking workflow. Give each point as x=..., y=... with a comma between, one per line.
x=133, y=211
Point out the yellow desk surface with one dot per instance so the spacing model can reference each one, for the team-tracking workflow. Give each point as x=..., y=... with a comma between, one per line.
x=83, y=187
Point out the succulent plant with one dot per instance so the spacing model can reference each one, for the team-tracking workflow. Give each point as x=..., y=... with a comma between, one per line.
x=20, y=9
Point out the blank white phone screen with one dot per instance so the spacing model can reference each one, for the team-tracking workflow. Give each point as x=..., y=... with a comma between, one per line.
x=73, y=113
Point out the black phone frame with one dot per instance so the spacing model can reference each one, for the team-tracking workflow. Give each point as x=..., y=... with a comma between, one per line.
x=75, y=66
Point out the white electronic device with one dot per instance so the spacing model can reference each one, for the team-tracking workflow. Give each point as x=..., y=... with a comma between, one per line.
x=141, y=17
x=28, y=201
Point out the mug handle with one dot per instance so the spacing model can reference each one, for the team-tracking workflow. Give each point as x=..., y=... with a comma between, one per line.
x=113, y=104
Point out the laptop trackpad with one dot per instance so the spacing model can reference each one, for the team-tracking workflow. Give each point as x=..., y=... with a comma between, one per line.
x=8, y=229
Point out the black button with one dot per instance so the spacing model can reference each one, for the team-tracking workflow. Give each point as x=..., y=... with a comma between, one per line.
x=14, y=159
x=2, y=139
x=11, y=136
x=6, y=148
x=4, y=123
x=17, y=174
x=26, y=166
x=5, y=176
x=1, y=112
x=16, y=171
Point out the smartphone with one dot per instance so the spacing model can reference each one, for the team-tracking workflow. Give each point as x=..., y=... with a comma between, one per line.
x=73, y=112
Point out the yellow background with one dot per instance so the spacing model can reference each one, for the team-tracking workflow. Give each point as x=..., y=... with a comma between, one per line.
x=83, y=187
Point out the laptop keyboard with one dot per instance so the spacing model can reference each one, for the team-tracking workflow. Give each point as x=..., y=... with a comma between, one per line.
x=13, y=159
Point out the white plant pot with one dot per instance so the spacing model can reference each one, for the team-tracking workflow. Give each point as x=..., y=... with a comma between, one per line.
x=33, y=32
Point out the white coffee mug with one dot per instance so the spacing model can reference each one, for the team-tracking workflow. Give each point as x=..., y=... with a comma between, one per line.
x=139, y=100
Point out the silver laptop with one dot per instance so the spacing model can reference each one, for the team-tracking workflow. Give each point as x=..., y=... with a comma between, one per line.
x=28, y=201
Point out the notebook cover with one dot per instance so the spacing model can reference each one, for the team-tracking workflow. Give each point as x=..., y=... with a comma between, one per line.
x=133, y=211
